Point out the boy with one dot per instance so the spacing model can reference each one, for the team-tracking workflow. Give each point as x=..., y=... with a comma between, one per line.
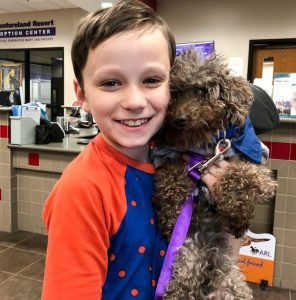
x=102, y=236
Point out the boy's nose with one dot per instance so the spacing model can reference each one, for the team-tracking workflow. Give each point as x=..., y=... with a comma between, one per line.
x=134, y=99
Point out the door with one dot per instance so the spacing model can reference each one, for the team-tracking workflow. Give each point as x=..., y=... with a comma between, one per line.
x=284, y=59
x=275, y=62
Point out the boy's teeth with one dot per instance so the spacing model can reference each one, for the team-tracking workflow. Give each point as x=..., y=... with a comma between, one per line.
x=133, y=123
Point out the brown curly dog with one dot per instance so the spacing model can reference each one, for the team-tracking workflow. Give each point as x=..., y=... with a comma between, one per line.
x=206, y=102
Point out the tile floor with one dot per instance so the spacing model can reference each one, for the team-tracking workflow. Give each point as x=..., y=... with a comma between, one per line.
x=22, y=256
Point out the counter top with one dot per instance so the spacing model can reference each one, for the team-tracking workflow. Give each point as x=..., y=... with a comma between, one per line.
x=71, y=106
x=69, y=143
x=5, y=108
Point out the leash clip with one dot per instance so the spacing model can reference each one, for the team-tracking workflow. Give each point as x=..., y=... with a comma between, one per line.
x=221, y=147
x=196, y=167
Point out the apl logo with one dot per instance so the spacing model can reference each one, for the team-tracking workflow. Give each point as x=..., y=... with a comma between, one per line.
x=256, y=251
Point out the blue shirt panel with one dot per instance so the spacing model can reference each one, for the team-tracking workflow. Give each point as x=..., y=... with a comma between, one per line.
x=136, y=251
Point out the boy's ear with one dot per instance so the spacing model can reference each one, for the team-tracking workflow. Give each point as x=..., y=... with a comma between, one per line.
x=80, y=96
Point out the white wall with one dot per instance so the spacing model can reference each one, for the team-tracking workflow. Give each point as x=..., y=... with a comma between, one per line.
x=66, y=22
x=230, y=23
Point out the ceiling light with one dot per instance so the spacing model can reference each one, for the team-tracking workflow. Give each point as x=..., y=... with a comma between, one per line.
x=106, y=4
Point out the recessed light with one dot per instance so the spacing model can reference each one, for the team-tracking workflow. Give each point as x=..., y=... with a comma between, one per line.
x=106, y=4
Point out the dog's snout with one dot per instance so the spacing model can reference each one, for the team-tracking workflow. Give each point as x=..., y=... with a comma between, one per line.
x=180, y=121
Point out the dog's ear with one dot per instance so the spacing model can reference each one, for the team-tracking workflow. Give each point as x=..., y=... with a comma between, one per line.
x=237, y=94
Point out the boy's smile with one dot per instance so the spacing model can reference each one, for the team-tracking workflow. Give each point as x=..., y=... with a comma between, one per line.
x=134, y=123
x=126, y=87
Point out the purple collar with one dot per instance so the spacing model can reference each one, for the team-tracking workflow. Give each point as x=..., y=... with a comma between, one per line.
x=194, y=159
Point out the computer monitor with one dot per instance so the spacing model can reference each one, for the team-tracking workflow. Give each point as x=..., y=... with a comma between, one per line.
x=4, y=98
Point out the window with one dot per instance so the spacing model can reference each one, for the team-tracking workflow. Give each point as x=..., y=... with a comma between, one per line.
x=40, y=74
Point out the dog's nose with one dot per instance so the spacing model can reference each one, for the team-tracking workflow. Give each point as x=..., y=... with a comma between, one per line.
x=180, y=121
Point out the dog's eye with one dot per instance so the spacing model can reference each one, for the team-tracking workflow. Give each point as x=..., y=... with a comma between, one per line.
x=200, y=91
x=174, y=95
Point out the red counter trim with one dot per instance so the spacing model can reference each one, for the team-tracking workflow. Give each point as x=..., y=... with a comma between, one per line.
x=4, y=131
x=33, y=159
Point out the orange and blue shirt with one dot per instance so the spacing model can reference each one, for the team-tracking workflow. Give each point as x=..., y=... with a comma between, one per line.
x=103, y=240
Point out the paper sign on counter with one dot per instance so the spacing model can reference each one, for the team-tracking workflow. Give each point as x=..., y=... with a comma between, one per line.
x=256, y=259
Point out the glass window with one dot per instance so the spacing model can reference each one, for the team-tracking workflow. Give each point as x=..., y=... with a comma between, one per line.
x=36, y=75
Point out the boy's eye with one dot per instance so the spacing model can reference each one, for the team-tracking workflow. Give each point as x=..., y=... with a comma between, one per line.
x=110, y=83
x=152, y=80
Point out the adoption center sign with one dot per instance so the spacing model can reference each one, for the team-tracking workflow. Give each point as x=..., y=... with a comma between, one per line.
x=27, y=29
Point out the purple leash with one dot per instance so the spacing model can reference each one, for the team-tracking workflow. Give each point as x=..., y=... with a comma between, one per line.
x=179, y=233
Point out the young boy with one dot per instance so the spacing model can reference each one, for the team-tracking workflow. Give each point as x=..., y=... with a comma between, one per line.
x=103, y=241
x=102, y=236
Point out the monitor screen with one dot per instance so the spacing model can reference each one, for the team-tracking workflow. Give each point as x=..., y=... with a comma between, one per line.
x=4, y=98
x=205, y=48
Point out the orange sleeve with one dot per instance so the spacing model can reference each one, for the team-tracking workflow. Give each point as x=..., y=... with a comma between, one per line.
x=78, y=239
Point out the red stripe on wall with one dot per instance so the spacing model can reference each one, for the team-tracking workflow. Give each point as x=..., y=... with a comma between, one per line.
x=33, y=159
x=4, y=131
x=0, y=195
x=279, y=150
x=293, y=152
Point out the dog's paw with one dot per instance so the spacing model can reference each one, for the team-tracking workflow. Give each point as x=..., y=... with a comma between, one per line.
x=236, y=192
x=172, y=189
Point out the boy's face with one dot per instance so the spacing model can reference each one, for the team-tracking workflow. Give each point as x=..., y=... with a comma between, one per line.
x=126, y=88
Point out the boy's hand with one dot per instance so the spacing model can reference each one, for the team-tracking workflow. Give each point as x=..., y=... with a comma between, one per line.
x=213, y=173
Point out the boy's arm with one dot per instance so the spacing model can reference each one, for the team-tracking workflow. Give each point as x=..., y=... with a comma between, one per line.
x=78, y=239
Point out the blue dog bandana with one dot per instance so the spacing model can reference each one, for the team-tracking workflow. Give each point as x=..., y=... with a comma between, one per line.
x=247, y=142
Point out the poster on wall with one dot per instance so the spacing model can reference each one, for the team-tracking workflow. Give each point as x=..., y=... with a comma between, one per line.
x=205, y=48
x=284, y=94
x=10, y=77
x=293, y=95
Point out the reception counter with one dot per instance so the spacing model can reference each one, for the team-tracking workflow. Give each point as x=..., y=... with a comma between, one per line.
x=37, y=168
x=28, y=173
x=69, y=144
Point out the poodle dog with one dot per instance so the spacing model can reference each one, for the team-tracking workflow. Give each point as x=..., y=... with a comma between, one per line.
x=208, y=106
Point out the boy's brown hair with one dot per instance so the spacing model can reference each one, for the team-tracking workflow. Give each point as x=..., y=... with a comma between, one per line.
x=124, y=16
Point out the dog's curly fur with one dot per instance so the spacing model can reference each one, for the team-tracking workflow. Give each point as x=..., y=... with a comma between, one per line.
x=205, y=100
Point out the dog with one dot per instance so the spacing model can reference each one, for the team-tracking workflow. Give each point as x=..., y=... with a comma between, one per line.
x=208, y=106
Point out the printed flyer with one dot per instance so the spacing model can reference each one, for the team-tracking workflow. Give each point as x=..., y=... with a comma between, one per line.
x=284, y=94
x=256, y=257
x=293, y=95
